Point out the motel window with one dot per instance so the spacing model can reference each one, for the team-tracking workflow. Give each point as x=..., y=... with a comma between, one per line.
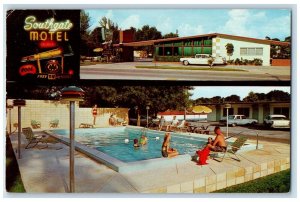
x=282, y=110
x=243, y=51
x=251, y=51
x=230, y=111
x=160, y=51
x=259, y=51
x=168, y=51
x=244, y=111
x=176, y=51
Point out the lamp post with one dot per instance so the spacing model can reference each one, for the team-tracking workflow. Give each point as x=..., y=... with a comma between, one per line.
x=72, y=94
x=10, y=107
x=227, y=106
x=147, y=108
x=138, y=122
x=19, y=103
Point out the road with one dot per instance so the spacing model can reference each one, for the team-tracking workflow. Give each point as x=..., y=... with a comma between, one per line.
x=127, y=71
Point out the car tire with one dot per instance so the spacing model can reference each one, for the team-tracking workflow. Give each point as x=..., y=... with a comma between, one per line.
x=186, y=63
x=233, y=125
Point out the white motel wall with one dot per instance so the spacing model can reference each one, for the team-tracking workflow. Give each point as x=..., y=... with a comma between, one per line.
x=45, y=111
x=219, y=49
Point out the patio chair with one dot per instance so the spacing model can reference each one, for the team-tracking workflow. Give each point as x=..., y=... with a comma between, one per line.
x=35, y=124
x=54, y=123
x=183, y=126
x=231, y=149
x=33, y=139
x=202, y=130
x=121, y=122
x=86, y=125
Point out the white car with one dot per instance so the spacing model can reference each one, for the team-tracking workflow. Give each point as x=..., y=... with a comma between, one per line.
x=234, y=120
x=203, y=59
x=277, y=121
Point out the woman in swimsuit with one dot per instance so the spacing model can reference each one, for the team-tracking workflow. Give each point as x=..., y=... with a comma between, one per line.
x=166, y=151
x=94, y=113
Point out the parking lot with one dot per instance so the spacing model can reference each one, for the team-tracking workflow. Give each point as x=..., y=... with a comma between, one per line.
x=274, y=135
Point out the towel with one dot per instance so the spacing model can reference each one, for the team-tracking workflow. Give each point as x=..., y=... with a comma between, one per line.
x=203, y=154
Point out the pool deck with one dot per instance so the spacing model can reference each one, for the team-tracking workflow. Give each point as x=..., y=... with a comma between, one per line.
x=47, y=171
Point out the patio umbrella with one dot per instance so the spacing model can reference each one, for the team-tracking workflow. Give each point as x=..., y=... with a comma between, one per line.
x=201, y=109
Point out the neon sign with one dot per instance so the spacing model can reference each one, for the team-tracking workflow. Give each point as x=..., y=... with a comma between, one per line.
x=47, y=30
x=50, y=24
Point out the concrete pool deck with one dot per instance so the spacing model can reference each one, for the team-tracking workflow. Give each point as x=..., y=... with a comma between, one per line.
x=47, y=171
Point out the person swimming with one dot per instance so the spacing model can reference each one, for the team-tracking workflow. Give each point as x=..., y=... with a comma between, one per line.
x=136, y=143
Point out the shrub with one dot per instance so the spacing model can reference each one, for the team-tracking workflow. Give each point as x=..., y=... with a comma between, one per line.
x=230, y=62
x=237, y=61
x=257, y=62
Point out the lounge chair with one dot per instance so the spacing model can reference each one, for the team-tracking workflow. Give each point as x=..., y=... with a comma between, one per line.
x=86, y=125
x=54, y=123
x=121, y=122
x=183, y=126
x=33, y=139
x=202, y=130
x=231, y=149
x=35, y=124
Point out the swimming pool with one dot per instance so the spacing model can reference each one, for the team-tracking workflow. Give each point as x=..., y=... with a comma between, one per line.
x=118, y=142
x=108, y=146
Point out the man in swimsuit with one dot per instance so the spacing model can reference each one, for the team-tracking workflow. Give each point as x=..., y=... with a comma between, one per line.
x=219, y=143
x=94, y=113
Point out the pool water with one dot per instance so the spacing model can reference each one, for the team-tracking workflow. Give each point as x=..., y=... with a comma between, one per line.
x=112, y=142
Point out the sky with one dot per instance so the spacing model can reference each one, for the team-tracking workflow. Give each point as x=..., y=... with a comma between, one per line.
x=256, y=23
x=224, y=91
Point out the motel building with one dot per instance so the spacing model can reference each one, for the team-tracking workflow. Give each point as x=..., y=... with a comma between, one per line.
x=256, y=110
x=172, y=49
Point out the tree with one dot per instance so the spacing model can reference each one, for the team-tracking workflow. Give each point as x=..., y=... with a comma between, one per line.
x=287, y=39
x=275, y=39
x=252, y=97
x=233, y=98
x=216, y=99
x=147, y=33
x=84, y=33
x=267, y=38
x=278, y=95
x=229, y=49
x=95, y=39
x=170, y=35
x=111, y=30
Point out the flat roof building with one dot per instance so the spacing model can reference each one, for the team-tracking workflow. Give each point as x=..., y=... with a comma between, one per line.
x=172, y=49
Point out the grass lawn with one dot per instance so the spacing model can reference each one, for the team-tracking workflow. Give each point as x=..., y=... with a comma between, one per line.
x=275, y=183
x=87, y=63
x=192, y=68
x=13, y=178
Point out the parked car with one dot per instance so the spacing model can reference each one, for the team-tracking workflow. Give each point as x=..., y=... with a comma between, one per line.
x=203, y=59
x=277, y=121
x=234, y=120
